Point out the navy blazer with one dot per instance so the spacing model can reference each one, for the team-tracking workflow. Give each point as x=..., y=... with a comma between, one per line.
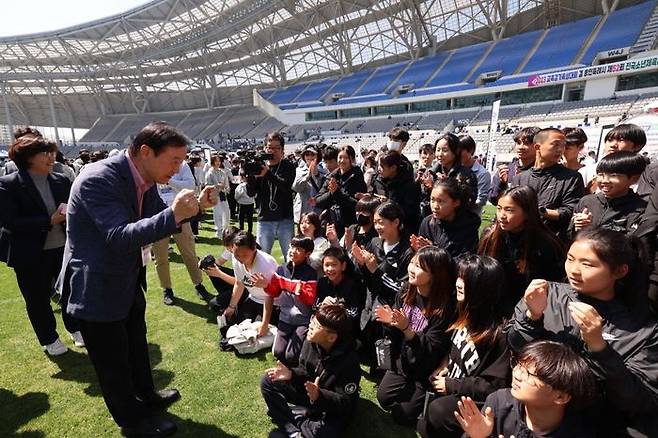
x=102, y=267
x=24, y=218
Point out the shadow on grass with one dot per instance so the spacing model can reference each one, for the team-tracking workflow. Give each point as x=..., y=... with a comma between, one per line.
x=190, y=428
x=20, y=410
x=76, y=367
x=370, y=420
x=260, y=356
x=197, y=309
x=206, y=240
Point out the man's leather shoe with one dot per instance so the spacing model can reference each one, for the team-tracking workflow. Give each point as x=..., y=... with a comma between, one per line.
x=150, y=427
x=160, y=399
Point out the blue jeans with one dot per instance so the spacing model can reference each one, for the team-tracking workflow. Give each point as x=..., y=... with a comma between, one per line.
x=268, y=231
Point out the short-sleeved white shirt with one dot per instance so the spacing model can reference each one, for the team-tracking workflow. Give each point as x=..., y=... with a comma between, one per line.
x=263, y=264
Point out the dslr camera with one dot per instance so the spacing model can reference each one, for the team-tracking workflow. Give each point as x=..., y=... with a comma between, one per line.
x=207, y=262
x=253, y=161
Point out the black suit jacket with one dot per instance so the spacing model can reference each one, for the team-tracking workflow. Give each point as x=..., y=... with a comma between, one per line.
x=24, y=219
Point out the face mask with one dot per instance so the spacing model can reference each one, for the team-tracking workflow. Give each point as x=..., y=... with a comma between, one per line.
x=362, y=220
x=393, y=145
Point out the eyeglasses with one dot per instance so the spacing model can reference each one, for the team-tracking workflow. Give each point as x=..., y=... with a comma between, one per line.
x=48, y=154
x=522, y=373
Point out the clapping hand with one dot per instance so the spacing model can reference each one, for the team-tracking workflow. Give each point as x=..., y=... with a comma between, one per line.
x=439, y=381
x=590, y=323
x=503, y=173
x=331, y=234
x=332, y=185
x=279, y=373
x=418, y=242
x=313, y=389
x=475, y=423
x=428, y=180
x=57, y=217
x=536, y=298
x=348, y=237
x=582, y=219
x=364, y=257
x=393, y=317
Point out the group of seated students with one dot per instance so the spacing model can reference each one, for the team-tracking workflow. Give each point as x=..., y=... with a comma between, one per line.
x=541, y=327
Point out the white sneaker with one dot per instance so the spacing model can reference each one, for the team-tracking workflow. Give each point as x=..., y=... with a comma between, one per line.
x=56, y=348
x=77, y=339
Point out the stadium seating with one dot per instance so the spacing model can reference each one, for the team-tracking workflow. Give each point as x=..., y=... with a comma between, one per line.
x=460, y=63
x=561, y=45
x=349, y=84
x=381, y=79
x=457, y=70
x=420, y=71
x=315, y=91
x=507, y=54
x=621, y=29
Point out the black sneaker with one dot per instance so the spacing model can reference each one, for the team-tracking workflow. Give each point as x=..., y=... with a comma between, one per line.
x=168, y=297
x=202, y=293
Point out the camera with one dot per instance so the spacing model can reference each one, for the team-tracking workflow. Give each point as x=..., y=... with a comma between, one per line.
x=207, y=262
x=253, y=160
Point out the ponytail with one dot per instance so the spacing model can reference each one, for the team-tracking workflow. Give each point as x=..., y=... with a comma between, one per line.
x=616, y=249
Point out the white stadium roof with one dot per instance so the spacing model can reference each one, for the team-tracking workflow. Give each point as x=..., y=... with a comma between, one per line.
x=182, y=54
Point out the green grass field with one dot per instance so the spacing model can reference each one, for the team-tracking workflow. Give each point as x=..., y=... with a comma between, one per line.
x=59, y=397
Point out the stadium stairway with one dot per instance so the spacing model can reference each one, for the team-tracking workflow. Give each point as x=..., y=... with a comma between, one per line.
x=649, y=35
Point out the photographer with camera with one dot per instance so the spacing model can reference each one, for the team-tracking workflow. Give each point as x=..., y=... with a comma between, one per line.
x=274, y=195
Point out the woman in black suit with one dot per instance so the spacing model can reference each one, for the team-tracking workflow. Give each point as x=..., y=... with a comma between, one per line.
x=33, y=233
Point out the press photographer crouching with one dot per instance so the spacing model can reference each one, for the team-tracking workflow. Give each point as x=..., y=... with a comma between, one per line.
x=274, y=195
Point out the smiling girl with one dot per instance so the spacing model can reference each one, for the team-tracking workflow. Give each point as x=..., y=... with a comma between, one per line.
x=451, y=225
x=418, y=327
x=521, y=242
x=602, y=313
x=479, y=356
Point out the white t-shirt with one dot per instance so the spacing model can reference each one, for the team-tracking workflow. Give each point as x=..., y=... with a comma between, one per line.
x=263, y=264
x=588, y=172
x=320, y=244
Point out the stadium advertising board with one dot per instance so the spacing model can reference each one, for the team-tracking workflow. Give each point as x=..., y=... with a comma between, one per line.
x=628, y=66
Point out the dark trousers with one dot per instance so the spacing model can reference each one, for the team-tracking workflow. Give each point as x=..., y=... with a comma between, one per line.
x=194, y=224
x=36, y=285
x=224, y=291
x=232, y=203
x=440, y=420
x=401, y=395
x=247, y=213
x=119, y=353
x=250, y=309
x=288, y=343
x=277, y=395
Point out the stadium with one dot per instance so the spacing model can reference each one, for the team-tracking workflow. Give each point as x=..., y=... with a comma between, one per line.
x=228, y=72
x=348, y=72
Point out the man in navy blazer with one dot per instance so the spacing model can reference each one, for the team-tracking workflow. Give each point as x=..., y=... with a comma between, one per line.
x=114, y=215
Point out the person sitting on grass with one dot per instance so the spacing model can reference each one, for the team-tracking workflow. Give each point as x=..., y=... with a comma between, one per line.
x=418, y=327
x=341, y=285
x=325, y=383
x=293, y=285
x=478, y=362
x=452, y=225
x=603, y=314
x=550, y=383
x=221, y=277
x=248, y=261
x=311, y=226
